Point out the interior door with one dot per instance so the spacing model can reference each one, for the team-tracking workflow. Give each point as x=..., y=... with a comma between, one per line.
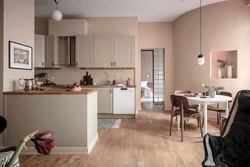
x=124, y=51
x=102, y=51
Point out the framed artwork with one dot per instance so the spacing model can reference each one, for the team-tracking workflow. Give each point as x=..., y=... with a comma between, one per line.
x=20, y=56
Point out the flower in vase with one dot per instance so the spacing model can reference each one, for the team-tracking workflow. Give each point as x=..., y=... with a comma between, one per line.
x=43, y=142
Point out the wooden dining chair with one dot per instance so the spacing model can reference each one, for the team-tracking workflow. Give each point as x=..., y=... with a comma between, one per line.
x=192, y=107
x=185, y=113
x=218, y=109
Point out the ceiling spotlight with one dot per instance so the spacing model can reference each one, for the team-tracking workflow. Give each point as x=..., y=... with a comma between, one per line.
x=56, y=14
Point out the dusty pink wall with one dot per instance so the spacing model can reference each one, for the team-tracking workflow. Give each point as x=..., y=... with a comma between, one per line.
x=18, y=27
x=147, y=66
x=159, y=35
x=225, y=26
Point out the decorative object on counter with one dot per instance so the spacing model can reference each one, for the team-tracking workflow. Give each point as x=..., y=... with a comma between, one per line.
x=28, y=84
x=40, y=75
x=114, y=82
x=214, y=90
x=43, y=144
x=20, y=56
x=229, y=71
x=129, y=82
x=109, y=123
x=56, y=14
x=87, y=80
x=75, y=87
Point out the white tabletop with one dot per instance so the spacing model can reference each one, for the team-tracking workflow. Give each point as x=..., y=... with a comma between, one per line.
x=217, y=99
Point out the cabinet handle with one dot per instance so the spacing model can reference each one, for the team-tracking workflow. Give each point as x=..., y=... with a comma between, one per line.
x=111, y=63
x=76, y=63
x=53, y=64
x=42, y=63
x=110, y=90
x=115, y=63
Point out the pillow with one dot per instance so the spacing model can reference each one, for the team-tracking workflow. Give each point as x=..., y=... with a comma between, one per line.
x=144, y=83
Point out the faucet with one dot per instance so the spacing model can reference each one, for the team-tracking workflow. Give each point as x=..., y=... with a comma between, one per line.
x=107, y=81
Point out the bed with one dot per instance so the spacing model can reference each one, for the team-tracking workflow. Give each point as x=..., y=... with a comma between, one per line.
x=146, y=92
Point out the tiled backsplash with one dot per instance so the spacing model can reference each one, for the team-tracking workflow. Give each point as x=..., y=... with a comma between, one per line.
x=71, y=75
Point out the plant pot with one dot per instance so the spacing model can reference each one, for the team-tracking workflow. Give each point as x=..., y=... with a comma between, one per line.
x=213, y=94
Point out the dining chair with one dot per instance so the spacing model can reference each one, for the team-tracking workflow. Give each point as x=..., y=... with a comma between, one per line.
x=192, y=107
x=218, y=109
x=182, y=109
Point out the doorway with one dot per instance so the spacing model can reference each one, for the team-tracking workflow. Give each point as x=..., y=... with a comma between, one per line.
x=152, y=77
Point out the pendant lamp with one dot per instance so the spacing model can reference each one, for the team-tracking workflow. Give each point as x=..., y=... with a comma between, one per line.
x=201, y=59
x=56, y=14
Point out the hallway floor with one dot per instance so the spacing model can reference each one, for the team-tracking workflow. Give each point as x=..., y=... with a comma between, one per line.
x=144, y=142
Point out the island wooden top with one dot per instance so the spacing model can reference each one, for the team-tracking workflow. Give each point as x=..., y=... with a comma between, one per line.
x=50, y=92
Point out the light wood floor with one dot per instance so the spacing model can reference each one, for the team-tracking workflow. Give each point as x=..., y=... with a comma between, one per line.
x=144, y=142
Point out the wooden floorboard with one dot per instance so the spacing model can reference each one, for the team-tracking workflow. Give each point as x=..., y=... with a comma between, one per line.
x=144, y=142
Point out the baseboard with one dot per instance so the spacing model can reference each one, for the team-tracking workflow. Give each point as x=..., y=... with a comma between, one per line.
x=116, y=116
x=65, y=150
x=93, y=142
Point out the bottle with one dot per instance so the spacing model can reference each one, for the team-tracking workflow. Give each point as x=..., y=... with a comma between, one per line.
x=114, y=82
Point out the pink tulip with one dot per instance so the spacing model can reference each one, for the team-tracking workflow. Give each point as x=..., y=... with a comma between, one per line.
x=43, y=142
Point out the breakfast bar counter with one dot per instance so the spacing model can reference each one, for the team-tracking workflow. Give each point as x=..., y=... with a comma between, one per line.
x=50, y=92
x=72, y=116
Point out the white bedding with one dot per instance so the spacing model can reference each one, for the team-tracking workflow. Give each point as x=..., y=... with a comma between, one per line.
x=148, y=94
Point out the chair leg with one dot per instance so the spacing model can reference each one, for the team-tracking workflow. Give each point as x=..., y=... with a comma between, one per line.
x=171, y=122
x=218, y=121
x=199, y=122
x=185, y=124
x=182, y=128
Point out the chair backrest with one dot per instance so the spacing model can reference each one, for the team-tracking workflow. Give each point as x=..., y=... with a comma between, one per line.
x=177, y=92
x=177, y=101
x=226, y=94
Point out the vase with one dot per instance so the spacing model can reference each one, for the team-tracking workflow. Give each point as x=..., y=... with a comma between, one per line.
x=229, y=71
x=213, y=94
x=219, y=73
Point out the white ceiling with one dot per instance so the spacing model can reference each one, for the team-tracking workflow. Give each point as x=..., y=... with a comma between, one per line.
x=145, y=10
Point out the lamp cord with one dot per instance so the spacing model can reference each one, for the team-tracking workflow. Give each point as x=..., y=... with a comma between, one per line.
x=200, y=27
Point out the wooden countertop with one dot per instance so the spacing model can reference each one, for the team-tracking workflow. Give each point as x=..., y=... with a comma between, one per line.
x=50, y=92
x=105, y=86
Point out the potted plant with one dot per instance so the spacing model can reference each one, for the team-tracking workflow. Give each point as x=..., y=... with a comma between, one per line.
x=214, y=90
x=223, y=64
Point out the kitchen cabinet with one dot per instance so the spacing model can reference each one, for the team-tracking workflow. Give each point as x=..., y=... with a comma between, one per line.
x=124, y=51
x=39, y=56
x=83, y=51
x=51, y=49
x=104, y=101
x=102, y=51
x=114, y=51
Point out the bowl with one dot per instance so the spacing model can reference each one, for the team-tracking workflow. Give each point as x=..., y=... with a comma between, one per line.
x=76, y=89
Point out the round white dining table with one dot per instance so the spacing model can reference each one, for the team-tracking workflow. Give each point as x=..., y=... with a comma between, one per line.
x=208, y=100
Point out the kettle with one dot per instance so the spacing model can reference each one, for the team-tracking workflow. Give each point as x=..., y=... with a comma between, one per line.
x=27, y=84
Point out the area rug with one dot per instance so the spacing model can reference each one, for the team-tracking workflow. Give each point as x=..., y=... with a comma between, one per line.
x=109, y=123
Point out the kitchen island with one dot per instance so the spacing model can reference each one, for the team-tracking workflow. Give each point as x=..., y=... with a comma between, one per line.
x=72, y=116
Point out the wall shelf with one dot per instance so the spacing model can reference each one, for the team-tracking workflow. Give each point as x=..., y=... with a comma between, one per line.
x=216, y=72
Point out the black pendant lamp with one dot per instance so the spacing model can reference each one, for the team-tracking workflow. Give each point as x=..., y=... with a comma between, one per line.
x=201, y=59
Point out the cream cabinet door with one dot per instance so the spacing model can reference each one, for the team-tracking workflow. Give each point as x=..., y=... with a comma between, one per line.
x=104, y=100
x=83, y=51
x=51, y=49
x=39, y=56
x=102, y=51
x=124, y=51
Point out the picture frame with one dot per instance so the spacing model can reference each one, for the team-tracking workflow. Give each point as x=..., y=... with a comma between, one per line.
x=20, y=56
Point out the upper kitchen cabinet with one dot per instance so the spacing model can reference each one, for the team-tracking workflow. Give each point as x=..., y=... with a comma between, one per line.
x=124, y=51
x=83, y=51
x=39, y=51
x=102, y=47
x=51, y=49
x=68, y=27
